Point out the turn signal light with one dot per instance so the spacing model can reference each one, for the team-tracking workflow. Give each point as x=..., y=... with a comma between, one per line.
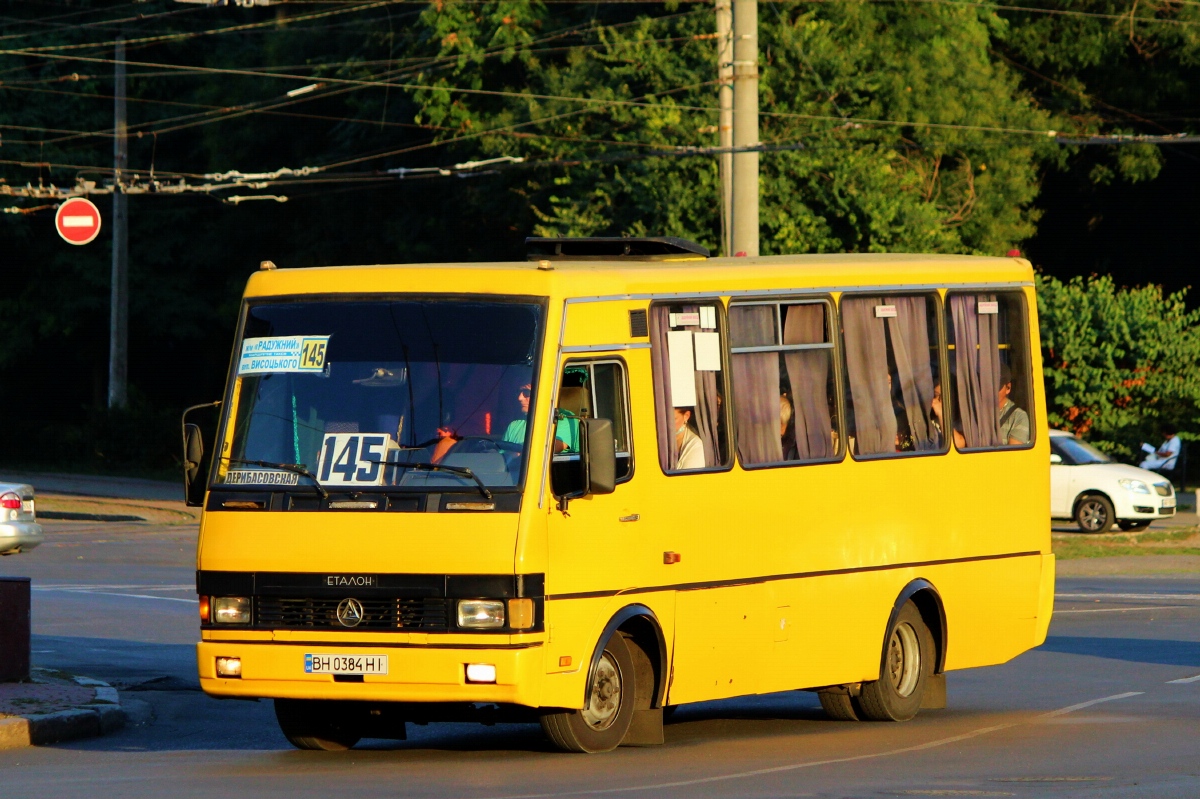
x=204, y=609
x=520, y=614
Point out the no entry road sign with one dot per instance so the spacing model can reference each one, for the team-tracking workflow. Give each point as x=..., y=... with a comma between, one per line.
x=78, y=221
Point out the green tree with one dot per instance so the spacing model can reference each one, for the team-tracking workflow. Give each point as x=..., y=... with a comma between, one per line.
x=1118, y=362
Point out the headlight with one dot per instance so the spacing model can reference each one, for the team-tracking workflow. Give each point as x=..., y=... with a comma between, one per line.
x=480, y=614
x=231, y=610
x=1136, y=486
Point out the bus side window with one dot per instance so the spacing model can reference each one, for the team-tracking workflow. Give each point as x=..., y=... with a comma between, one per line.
x=989, y=368
x=893, y=372
x=589, y=390
x=686, y=347
x=782, y=377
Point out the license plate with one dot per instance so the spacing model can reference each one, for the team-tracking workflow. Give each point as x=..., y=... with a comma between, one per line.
x=1169, y=503
x=345, y=664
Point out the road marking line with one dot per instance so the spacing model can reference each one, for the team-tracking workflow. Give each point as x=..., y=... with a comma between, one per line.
x=1064, y=711
x=1184, y=680
x=1126, y=596
x=831, y=761
x=113, y=593
x=1120, y=610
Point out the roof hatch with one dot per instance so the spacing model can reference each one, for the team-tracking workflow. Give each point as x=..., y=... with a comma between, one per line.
x=648, y=248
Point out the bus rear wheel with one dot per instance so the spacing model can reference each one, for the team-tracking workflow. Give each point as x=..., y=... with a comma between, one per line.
x=908, y=658
x=839, y=707
x=602, y=724
x=312, y=724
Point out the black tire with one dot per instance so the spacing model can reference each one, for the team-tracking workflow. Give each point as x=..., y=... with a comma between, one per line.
x=1134, y=526
x=313, y=724
x=602, y=725
x=839, y=707
x=1094, y=514
x=908, y=660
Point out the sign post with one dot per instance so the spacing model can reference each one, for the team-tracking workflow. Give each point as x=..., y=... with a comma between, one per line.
x=78, y=221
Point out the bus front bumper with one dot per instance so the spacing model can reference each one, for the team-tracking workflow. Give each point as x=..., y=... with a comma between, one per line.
x=414, y=673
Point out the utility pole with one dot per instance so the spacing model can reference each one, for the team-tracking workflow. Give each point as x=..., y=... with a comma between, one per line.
x=118, y=325
x=745, y=127
x=725, y=119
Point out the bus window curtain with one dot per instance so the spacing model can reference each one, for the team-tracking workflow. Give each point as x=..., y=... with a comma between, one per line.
x=705, y=416
x=909, y=330
x=874, y=427
x=977, y=366
x=808, y=374
x=756, y=383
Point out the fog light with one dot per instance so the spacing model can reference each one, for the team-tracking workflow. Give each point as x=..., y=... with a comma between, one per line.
x=480, y=614
x=231, y=610
x=520, y=614
x=481, y=672
x=229, y=667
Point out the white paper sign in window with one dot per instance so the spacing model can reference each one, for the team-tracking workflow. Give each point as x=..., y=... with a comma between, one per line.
x=683, y=368
x=708, y=317
x=885, y=311
x=355, y=459
x=989, y=307
x=708, y=352
x=688, y=319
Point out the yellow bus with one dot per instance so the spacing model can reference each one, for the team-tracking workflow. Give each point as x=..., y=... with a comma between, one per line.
x=620, y=477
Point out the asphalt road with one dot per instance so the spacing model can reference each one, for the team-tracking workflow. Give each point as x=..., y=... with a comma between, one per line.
x=1103, y=709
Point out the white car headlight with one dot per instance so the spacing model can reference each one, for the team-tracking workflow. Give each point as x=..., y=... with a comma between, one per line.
x=1136, y=486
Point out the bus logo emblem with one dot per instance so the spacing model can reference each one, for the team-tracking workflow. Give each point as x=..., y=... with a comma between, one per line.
x=350, y=612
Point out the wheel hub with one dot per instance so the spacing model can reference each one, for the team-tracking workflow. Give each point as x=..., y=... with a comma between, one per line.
x=904, y=659
x=604, y=700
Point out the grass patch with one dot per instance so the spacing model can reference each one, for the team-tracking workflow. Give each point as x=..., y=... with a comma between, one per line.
x=1183, y=541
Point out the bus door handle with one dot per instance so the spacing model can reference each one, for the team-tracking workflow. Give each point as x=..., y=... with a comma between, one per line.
x=633, y=517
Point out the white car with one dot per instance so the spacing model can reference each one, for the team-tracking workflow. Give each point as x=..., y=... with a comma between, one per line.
x=1088, y=486
x=19, y=530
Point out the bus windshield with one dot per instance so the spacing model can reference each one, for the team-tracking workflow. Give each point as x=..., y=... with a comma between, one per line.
x=379, y=392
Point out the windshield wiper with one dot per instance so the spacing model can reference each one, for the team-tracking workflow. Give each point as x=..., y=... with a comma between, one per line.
x=297, y=468
x=462, y=471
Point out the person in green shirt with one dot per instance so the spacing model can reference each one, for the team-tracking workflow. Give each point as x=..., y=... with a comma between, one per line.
x=566, y=432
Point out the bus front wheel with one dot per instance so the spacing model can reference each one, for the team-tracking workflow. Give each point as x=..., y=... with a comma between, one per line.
x=602, y=724
x=908, y=658
x=312, y=724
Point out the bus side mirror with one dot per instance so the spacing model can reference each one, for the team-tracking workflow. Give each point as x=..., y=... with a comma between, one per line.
x=1055, y=458
x=193, y=457
x=600, y=456
x=193, y=454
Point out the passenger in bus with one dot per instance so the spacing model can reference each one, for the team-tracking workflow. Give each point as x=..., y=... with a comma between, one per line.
x=689, y=449
x=787, y=432
x=937, y=422
x=1013, y=421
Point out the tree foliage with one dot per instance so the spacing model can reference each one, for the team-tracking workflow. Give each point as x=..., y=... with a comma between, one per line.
x=1119, y=363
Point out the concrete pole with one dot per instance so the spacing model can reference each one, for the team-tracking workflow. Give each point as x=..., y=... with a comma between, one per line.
x=118, y=326
x=745, y=126
x=725, y=119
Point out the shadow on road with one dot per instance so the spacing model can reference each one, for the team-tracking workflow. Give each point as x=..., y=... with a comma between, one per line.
x=1134, y=650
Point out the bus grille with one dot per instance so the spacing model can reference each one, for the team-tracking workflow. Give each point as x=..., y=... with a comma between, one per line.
x=286, y=613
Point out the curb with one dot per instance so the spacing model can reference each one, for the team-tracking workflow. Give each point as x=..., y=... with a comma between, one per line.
x=99, y=717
